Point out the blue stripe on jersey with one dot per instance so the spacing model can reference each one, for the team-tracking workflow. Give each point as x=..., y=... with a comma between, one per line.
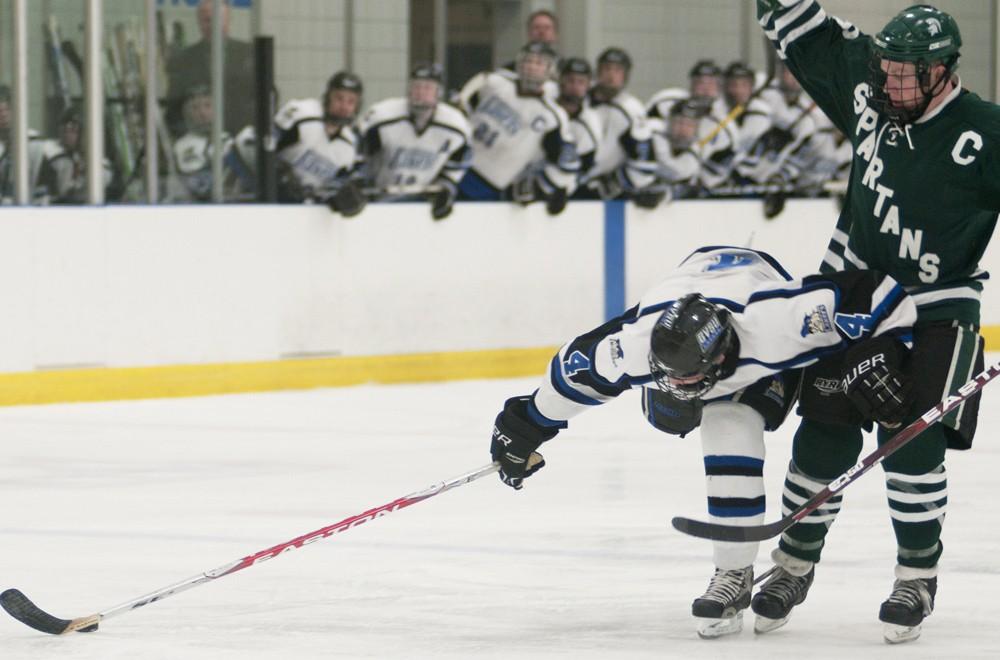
x=798, y=360
x=565, y=389
x=741, y=461
x=888, y=303
x=731, y=305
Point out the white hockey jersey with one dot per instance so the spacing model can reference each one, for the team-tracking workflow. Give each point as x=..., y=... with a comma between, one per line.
x=800, y=139
x=586, y=128
x=512, y=132
x=781, y=324
x=36, y=154
x=192, y=179
x=625, y=147
x=319, y=163
x=62, y=177
x=397, y=154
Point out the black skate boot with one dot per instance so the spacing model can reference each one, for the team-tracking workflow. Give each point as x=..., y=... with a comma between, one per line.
x=905, y=609
x=720, y=610
x=786, y=588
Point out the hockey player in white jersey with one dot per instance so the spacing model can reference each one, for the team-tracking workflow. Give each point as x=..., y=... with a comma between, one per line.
x=62, y=176
x=674, y=142
x=750, y=114
x=574, y=82
x=717, y=137
x=727, y=330
x=191, y=178
x=522, y=145
x=412, y=143
x=704, y=88
x=625, y=166
x=36, y=152
x=317, y=147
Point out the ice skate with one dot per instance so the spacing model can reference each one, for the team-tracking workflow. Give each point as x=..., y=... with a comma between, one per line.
x=786, y=588
x=904, y=611
x=719, y=611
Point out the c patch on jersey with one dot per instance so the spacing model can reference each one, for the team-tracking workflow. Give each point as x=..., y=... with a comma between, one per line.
x=816, y=322
x=854, y=326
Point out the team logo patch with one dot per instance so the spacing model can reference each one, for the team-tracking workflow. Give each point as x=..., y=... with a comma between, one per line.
x=709, y=334
x=616, y=351
x=816, y=322
x=829, y=386
x=776, y=390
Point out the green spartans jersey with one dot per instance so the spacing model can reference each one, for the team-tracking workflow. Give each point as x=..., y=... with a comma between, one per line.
x=923, y=198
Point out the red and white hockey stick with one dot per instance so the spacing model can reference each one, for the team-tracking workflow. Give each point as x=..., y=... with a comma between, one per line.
x=721, y=532
x=21, y=608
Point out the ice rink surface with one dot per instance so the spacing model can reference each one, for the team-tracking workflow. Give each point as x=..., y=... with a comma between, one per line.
x=102, y=503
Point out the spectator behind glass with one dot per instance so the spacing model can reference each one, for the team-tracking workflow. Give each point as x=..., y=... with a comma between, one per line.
x=192, y=67
x=542, y=27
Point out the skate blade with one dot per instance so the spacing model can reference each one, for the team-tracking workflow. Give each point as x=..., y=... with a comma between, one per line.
x=896, y=634
x=762, y=624
x=712, y=628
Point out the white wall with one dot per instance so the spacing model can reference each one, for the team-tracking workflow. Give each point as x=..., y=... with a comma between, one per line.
x=137, y=286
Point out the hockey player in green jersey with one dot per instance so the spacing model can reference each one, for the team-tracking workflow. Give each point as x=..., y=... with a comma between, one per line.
x=922, y=203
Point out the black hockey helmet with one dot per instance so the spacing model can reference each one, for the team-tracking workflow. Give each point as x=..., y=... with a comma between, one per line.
x=705, y=68
x=534, y=82
x=692, y=346
x=690, y=108
x=342, y=80
x=615, y=55
x=419, y=98
x=738, y=69
x=575, y=65
x=427, y=71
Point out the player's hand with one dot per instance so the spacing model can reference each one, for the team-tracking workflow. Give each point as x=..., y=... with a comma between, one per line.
x=349, y=200
x=555, y=201
x=649, y=198
x=515, y=440
x=444, y=199
x=875, y=382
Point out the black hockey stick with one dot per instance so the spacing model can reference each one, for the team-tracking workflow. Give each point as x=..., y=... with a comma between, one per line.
x=721, y=532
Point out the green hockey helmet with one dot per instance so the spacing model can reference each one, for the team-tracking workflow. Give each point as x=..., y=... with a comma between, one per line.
x=921, y=35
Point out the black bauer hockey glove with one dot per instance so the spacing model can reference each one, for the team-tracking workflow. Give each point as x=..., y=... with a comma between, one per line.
x=514, y=441
x=875, y=383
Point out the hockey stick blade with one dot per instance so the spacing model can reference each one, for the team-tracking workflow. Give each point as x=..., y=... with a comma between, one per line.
x=717, y=532
x=752, y=533
x=21, y=608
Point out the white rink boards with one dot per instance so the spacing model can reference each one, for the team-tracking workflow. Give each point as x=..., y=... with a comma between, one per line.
x=105, y=502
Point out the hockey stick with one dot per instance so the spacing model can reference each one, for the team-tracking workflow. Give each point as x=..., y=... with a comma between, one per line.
x=21, y=608
x=722, y=532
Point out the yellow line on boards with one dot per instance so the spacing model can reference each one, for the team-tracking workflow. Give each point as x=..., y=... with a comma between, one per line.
x=108, y=384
